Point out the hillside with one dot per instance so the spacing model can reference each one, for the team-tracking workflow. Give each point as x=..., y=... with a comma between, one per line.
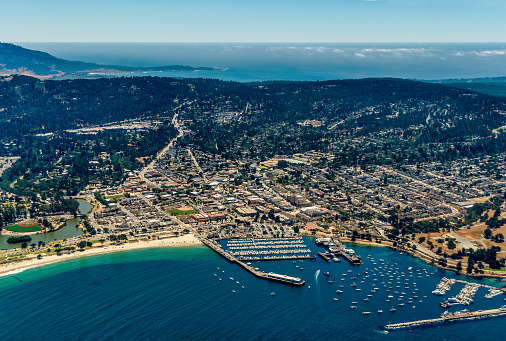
x=15, y=59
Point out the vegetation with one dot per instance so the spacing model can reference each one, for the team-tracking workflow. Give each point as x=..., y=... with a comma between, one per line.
x=19, y=239
x=26, y=227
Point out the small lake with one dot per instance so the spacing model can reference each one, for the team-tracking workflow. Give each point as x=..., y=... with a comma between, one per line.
x=68, y=231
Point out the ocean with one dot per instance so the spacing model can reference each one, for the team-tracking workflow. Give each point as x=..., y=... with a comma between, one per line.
x=246, y=62
x=172, y=294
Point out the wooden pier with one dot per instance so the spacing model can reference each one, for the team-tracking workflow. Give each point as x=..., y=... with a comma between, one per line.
x=444, y=319
x=269, y=276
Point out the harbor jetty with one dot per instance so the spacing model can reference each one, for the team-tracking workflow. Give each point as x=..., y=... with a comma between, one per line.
x=449, y=318
x=269, y=276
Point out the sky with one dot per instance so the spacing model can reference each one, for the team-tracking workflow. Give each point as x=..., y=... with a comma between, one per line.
x=252, y=21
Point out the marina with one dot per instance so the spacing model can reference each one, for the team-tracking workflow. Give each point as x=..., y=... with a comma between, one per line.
x=269, y=276
x=268, y=249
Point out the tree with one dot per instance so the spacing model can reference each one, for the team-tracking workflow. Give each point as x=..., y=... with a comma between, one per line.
x=82, y=244
x=459, y=266
x=451, y=244
x=488, y=233
x=499, y=238
x=421, y=240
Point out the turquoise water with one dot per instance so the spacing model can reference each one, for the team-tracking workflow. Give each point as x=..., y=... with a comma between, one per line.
x=172, y=294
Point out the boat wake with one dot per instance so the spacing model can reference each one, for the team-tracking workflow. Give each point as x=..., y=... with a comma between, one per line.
x=316, y=274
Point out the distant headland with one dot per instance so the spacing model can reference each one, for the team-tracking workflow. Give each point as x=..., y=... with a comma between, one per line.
x=16, y=60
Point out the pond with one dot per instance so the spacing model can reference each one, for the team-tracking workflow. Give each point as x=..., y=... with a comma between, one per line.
x=69, y=230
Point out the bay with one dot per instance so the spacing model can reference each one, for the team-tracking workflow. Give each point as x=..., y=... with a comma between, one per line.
x=246, y=62
x=172, y=294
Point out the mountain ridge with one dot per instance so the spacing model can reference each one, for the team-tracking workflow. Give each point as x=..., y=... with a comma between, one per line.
x=15, y=59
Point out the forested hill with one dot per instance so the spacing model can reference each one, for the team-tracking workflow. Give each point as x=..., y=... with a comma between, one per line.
x=418, y=110
x=15, y=59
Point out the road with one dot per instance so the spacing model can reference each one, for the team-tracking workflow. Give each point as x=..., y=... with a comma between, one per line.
x=150, y=166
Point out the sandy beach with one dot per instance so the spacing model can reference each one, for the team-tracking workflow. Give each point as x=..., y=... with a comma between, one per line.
x=31, y=261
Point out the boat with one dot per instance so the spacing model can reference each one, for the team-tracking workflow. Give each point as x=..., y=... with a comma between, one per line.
x=215, y=275
x=326, y=273
x=353, y=306
x=354, y=303
x=330, y=282
x=401, y=304
x=380, y=311
x=353, y=284
x=336, y=299
x=339, y=291
x=233, y=291
x=366, y=312
x=273, y=293
x=231, y=279
x=301, y=269
x=366, y=299
x=393, y=310
x=219, y=279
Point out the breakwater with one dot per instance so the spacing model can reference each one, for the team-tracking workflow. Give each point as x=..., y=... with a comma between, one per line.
x=449, y=318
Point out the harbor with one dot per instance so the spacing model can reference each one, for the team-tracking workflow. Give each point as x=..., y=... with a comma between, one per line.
x=269, y=275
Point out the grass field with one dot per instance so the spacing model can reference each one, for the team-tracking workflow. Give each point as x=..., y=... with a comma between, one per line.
x=24, y=227
x=117, y=196
x=179, y=212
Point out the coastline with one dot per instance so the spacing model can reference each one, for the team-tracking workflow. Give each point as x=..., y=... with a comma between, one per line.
x=33, y=262
x=425, y=258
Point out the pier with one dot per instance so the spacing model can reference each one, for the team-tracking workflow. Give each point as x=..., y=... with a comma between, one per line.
x=269, y=276
x=450, y=318
x=337, y=249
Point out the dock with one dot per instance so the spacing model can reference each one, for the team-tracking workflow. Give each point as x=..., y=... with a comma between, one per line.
x=269, y=249
x=450, y=318
x=336, y=248
x=268, y=276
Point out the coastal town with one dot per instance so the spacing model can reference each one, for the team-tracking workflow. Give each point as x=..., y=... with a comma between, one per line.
x=184, y=190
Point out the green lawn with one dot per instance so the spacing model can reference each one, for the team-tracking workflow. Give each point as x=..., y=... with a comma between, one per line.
x=23, y=228
x=117, y=196
x=179, y=212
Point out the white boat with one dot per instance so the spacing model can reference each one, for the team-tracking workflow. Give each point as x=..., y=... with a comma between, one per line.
x=273, y=293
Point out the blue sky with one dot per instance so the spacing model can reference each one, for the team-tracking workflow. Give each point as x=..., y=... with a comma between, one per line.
x=252, y=21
